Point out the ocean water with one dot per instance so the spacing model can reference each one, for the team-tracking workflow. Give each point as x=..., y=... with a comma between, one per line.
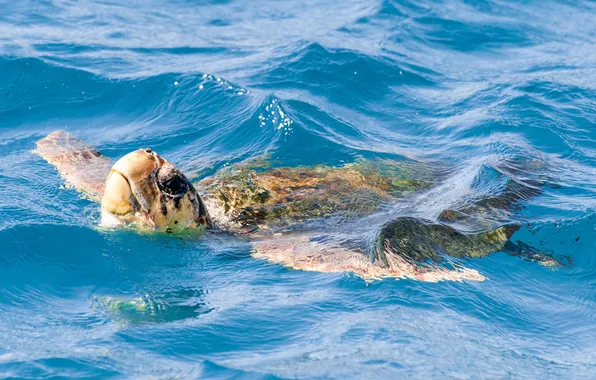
x=470, y=84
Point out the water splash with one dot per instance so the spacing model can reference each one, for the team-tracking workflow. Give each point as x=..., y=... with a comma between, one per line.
x=273, y=116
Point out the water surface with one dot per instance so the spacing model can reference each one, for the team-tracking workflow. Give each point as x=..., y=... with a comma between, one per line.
x=470, y=84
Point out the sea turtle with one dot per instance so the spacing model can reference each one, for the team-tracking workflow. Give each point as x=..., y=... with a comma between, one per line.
x=281, y=211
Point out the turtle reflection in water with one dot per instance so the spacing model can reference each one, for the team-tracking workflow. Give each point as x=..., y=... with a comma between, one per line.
x=281, y=211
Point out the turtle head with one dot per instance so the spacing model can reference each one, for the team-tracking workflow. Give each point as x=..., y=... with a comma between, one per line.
x=144, y=187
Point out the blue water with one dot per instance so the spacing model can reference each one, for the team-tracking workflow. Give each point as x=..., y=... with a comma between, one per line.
x=469, y=84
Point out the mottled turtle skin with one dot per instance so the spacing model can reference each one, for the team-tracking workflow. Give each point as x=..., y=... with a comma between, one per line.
x=272, y=206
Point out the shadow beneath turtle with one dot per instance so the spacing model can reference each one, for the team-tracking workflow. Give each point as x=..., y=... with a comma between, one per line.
x=151, y=308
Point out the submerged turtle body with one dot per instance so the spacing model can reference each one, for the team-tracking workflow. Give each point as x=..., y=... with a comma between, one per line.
x=272, y=206
x=278, y=199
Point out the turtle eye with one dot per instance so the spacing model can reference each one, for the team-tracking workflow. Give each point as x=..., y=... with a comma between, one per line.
x=148, y=150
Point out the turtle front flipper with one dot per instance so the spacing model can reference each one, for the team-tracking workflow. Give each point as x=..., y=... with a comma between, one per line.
x=82, y=166
x=316, y=254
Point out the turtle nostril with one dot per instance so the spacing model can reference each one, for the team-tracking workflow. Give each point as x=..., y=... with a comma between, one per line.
x=148, y=150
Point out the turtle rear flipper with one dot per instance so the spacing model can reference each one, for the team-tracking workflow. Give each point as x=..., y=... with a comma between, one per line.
x=82, y=166
x=421, y=240
x=527, y=252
